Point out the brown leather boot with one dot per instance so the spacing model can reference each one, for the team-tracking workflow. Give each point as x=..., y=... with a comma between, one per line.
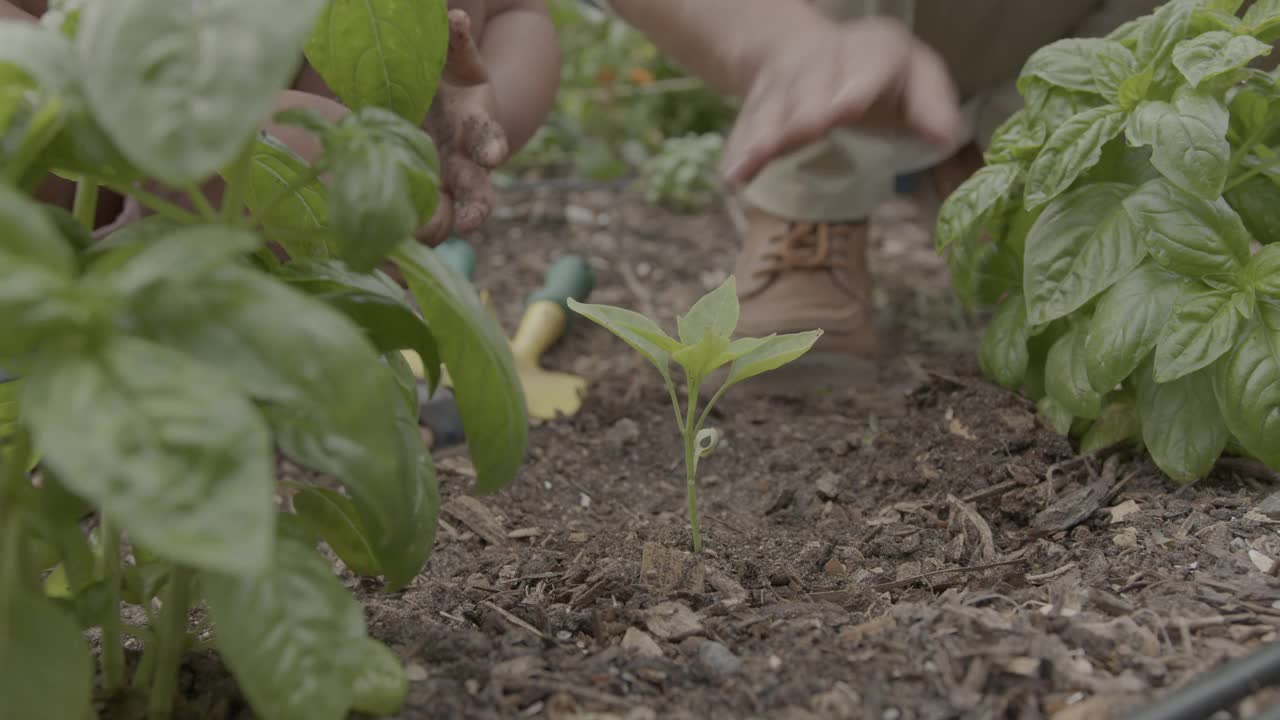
x=794, y=277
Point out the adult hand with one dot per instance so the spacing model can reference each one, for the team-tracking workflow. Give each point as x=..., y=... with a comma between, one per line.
x=872, y=75
x=463, y=123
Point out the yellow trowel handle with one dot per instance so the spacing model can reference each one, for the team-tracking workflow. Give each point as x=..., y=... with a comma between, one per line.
x=547, y=315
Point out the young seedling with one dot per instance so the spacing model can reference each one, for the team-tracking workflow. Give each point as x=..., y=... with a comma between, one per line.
x=706, y=344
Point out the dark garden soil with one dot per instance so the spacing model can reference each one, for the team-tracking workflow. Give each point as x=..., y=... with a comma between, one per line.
x=911, y=544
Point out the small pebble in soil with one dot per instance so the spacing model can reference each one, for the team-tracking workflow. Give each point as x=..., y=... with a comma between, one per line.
x=1271, y=507
x=828, y=485
x=718, y=660
x=641, y=643
x=415, y=672
x=623, y=433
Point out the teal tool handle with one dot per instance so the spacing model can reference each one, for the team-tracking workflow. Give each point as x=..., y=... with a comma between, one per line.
x=568, y=277
x=458, y=255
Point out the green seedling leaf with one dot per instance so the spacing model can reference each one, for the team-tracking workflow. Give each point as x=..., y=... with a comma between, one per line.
x=1246, y=383
x=1204, y=326
x=380, y=683
x=1181, y=424
x=699, y=359
x=1188, y=140
x=1263, y=272
x=292, y=636
x=772, y=354
x=372, y=301
x=634, y=329
x=1067, y=376
x=479, y=360
x=335, y=518
x=165, y=445
x=1187, y=234
x=738, y=348
x=1082, y=244
x=1127, y=323
x=1003, y=354
x=48, y=671
x=971, y=207
x=293, y=211
x=1072, y=149
x=382, y=53
x=330, y=406
x=1119, y=423
x=182, y=87
x=1210, y=56
x=716, y=313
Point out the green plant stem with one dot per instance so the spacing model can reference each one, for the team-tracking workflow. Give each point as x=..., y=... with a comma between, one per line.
x=157, y=204
x=233, y=196
x=691, y=468
x=201, y=203
x=706, y=411
x=1250, y=174
x=112, y=635
x=85, y=206
x=171, y=635
x=675, y=404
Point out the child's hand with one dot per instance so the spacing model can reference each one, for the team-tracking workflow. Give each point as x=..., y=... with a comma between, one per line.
x=872, y=75
x=463, y=123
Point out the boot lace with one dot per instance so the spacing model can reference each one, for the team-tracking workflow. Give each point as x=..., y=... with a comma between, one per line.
x=805, y=246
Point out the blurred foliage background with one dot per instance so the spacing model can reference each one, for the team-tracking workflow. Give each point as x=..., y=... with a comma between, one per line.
x=626, y=113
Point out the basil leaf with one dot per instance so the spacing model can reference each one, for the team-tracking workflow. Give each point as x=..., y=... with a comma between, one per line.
x=165, y=445
x=1082, y=244
x=715, y=313
x=293, y=213
x=380, y=684
x=1263, y=273
x=773, y=353
x=369, y=205
x=1187, y=234
x=382, y=53
x=1017, y=140
x=1204, y=326
x=37, y=268
x=48, y=671
x=1067, y=378
x=1247, y=385
x=968, y=210
x=181, y=256
x=1181, y=424
x=333, y=517
x=1263, y=20
x=1188, y=140
x=1162, y=32
x=1058, y=417
x=982, y=273
x=1127, y=323
x=1114, y=65
x=1257, y=200
x=478, y=357
x=291, y=635
x=1072, y=149
x=1003, y=354
x=1212, y=55
x=1071, y=63
x=1118, y=423
x=181, y=86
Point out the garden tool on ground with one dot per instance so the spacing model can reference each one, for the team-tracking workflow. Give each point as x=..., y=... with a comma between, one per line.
x=546, y=317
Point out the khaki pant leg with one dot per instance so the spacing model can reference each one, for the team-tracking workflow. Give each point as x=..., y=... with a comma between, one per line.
x=984, y=42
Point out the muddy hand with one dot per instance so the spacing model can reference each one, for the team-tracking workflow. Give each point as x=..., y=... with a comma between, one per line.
x=463, y=123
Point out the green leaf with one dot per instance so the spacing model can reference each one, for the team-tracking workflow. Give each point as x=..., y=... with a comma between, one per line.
x=1059, y=417
x=335, y=518
x=1119, y=423
x=772, y=354
x=478, y=357
x=380, y=684
x=37, y=268
x=182, y=87
x=1082, y=244
x=48, y=671
x=383, y=53
x=715, y=313
x=1017, y=140
x=740, y=347
x=1162, y=32
x=1247, y=385
x=1067, y=376
x=1071, y=63
x=1188, y=140
x=1263, y=272
x=47, y=58
x=1263, y=20
x=968, y=210
x=982, y=273
x=1257, y=201
x=372, y=301
x=1127, y=323
x=163, y=444
x=636, y=330
x=1072, y=149
x=1003, y=354
x=1135, y=89
x=1181, y=424
x=1051, y=106
x=370, y=207
x=291, y=635
x=1187, y=234
x=699, y=359
x=292, y=212
x=1114, y=66
x=1214, y=54
x=1204, y=326
x=179, y=257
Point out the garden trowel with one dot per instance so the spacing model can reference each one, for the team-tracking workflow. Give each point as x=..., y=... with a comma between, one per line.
x=546, y=317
